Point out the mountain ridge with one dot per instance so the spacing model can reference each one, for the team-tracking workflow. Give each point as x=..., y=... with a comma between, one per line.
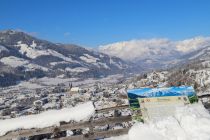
x=155, y=53
x=31, y=57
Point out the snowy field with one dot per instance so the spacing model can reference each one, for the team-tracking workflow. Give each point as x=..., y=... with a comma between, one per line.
x=81, y=112
x=191, y=122
x=47, y=82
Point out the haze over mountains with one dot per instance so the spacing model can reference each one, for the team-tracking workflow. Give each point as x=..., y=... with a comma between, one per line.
x=155, y=53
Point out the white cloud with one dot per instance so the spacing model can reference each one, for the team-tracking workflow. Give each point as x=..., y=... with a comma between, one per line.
x=134, y=48
x=153, y=48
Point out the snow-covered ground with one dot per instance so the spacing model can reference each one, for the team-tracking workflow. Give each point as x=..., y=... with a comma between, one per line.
x=77, y=69
x=191, y=122
x=49, y=118
x=34, y=51
x=16, y=62
x=88, y=58
x=47, y=82
x=53, y=81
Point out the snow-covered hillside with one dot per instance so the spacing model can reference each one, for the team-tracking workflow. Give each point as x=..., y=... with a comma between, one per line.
x=20, y=62
x=27, y=55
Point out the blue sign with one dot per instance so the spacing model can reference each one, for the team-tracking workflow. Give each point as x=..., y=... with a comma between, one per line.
x=134, y=94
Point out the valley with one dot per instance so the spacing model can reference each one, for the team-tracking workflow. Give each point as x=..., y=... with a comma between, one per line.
x=37, y=76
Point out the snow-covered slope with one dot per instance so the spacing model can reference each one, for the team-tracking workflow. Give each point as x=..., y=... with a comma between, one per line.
x=20, y=62
x=31, y=56
x=201, y=54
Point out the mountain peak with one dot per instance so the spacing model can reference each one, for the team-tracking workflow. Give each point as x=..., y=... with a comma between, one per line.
x=12, y=37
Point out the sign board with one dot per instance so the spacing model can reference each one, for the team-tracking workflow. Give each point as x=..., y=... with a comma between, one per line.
x=150, y=103
x=159, y=107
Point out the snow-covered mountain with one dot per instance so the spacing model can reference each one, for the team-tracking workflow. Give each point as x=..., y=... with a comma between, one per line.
x=24, y=57
x=200, y=54
x=155, y=53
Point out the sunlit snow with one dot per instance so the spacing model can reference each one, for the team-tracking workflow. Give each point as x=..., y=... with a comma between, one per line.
x=191, y=122
x=49, y=118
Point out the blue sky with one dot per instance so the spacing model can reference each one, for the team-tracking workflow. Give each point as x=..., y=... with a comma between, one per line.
x=95, y=22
